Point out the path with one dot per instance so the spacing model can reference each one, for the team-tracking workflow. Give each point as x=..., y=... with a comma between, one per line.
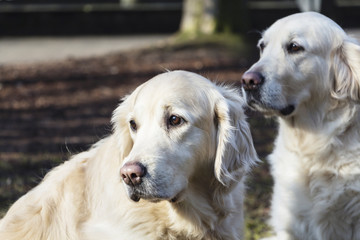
x=30, y=49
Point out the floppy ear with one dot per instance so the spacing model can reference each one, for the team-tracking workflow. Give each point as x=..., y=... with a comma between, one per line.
x=121, y=128
x=235, y=152
x=346, y=66
x=120, y=123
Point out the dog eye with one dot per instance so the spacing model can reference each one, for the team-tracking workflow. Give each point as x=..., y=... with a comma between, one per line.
x=261, y=46
x=294, y=48
x=133, y=125
x=175, y=120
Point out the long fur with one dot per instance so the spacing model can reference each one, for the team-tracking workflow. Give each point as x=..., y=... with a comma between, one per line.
x=316, y=160
x=208, y=156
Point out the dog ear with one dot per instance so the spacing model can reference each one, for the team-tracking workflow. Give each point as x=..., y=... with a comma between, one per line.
x=120, y=123
x=235, y=152
x=121, y=128
x=346, y=66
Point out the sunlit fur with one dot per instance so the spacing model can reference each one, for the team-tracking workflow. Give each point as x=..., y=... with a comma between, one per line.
x=316, y=160
x=200, y=165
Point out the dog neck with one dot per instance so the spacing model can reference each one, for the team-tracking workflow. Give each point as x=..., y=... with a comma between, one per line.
x=319, y=128
x=207, y=204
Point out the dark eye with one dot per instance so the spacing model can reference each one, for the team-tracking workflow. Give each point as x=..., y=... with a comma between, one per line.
x=262, y=46
x=133, y=125
x=294, y=48
x=175, y=120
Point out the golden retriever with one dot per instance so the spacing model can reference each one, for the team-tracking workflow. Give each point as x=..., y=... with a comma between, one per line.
x=308, y=75
x=174, y=168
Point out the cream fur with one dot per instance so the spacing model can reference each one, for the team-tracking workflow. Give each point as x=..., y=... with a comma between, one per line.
x=201, y=164
x=316, y=160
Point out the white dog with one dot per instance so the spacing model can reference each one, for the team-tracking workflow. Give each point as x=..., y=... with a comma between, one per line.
x=173, y=169
x=308, y=75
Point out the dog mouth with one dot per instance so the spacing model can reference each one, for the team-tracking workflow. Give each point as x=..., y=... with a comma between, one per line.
x=134, y=197
x=178, y=197
x=136, y=194
x=270, y=107
x=287, y=110
x=271, y=110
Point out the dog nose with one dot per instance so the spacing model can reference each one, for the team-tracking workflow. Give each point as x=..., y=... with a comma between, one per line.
x=132, y=173
x=252, y=80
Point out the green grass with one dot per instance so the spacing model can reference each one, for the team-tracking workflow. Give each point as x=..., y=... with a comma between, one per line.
x=257, y=203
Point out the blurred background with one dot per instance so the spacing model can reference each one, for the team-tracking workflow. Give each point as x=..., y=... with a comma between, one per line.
x=64, y=65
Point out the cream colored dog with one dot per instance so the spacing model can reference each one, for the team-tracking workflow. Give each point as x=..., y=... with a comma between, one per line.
x=309, y=76
x=174, y=168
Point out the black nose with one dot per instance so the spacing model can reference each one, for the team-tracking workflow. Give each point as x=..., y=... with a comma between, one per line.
x=132, y=173
x=252, y=80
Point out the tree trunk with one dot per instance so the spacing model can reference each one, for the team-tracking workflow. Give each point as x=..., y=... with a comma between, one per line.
x=210, y=16
x=199, y=17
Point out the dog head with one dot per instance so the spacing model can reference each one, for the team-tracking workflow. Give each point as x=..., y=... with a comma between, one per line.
x=304, y=58
x=174, y=126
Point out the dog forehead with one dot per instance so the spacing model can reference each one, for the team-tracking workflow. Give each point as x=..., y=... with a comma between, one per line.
x=302, y=24
x=184, y=93
x=176, y=86
x=314, y=31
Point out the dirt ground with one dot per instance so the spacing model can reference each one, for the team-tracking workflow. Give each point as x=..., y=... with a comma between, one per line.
x=49, y=111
